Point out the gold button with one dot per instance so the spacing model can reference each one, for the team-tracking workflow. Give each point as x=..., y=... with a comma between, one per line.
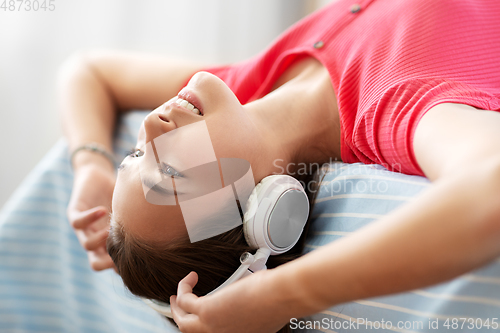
x=318, y=44
x=355, y=8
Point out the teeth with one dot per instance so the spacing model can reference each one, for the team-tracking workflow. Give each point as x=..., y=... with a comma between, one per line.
x=187, y=105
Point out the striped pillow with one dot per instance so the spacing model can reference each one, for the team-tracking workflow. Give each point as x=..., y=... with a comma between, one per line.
x=353, y=195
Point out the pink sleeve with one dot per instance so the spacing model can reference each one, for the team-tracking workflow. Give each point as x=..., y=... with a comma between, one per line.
x=383, y=132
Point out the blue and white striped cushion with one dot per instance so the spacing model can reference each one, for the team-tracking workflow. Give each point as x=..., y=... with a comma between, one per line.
x=351, y=197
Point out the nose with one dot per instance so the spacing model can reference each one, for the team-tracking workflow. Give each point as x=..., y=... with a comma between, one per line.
x=156, y=124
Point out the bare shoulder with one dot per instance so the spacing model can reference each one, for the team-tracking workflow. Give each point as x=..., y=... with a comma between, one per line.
x=454, y=137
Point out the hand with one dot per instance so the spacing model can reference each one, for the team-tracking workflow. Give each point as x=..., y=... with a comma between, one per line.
x=246, y=306
x=88, y=211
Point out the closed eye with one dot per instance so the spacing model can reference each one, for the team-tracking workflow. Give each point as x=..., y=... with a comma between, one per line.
x=170, y=171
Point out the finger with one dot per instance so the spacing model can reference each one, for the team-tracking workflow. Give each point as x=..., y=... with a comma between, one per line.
x=175, y=308
x=185, y=297
x=75, y=213
x=99, y=262
x=80, y=220
x=96, y=240
x=100, y=265
x=187, y=283
x=187, y=322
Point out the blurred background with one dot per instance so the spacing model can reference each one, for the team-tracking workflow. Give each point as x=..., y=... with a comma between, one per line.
x=33, y=44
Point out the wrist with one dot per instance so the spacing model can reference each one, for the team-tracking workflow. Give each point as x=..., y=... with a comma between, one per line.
x=92, y=153
x=293, y=291
x=84, y=159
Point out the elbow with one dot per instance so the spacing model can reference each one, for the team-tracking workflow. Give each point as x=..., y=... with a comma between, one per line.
x=74, y=65
x=80, y=64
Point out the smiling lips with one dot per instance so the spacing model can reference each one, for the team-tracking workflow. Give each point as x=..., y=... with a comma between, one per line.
x=187, y=105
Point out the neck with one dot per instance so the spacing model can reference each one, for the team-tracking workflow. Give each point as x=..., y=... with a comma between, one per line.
x=299, y=119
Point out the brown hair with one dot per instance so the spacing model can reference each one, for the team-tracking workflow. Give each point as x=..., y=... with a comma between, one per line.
x=153, y=270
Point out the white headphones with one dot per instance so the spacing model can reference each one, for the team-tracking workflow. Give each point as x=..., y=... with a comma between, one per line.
x=275, y=217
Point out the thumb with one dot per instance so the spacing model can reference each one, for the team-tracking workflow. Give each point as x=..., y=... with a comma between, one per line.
x=191, y=279
x=81, y=219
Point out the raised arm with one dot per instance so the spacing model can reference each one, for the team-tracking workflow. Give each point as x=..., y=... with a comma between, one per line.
x=93, y=88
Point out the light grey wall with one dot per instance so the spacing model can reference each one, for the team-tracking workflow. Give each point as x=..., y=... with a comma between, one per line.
x=33, y=45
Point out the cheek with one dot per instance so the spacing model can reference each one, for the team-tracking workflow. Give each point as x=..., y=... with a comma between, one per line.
x=231, y=139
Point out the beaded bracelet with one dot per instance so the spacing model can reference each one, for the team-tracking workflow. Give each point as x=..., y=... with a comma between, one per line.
x=96, y=148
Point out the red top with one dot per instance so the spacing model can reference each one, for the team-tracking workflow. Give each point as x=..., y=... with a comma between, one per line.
x=390, y=61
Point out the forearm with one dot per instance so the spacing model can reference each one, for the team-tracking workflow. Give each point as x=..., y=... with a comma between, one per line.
x=86, y=107
x=87, y=111
x=450, y=229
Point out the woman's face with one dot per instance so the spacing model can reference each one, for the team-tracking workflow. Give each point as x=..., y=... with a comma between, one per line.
x=176, y=158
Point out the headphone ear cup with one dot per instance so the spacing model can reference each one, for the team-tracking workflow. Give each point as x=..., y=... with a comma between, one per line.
x=287, y=219
x=277, y=212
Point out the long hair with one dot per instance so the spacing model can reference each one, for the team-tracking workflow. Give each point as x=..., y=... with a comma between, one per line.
x=153, y=270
